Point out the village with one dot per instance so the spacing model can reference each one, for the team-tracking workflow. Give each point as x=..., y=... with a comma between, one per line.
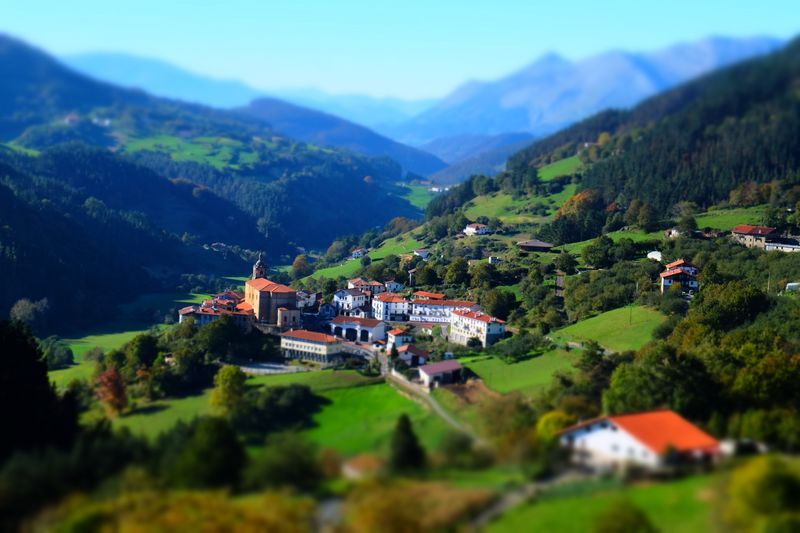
x=379, y=322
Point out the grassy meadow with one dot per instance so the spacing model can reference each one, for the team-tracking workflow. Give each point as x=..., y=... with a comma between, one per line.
x=402, y=244
x=526, y=376
x=562, y=167
x=418, y=195
x=683, y=506
x=626, y=328
x=220, y=152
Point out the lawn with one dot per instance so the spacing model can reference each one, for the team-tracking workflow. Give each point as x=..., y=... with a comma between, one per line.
x=361, y=419
x=636, y=235
x=511, y=210
x=678, y=506
x=154, y=418
x=526, y=376
x=418, y=195
x=562, y=167
x=219, y=152
x=626, y=328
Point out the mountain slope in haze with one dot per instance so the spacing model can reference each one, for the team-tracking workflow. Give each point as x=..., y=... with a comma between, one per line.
x=552, y=92
x=165, y=79
x=487, y=161
x=294, y=193
x=327, y=130
x=698, y=142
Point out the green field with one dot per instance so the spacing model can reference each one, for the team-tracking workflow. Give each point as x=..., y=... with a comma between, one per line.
x=511, y=210
x=626, y=328
x=678, y=507
x=726, y=219
x=402, y=244
x=418, y=195
x=526, y=376
x=361, y=419
x=562, y=167
x=219, y=152
x=154, y=418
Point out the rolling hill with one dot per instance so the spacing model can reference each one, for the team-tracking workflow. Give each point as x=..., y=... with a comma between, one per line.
x=327, y=130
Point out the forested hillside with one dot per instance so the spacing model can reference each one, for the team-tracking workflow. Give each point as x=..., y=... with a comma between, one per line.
x=696, y=143
x=258, y=172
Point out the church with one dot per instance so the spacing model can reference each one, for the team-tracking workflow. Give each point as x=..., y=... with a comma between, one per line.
x=273, y=303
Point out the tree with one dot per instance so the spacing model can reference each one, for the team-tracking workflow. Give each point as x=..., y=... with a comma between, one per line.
x=762, y=491
x=548, y=426
x=623, y=517
x=648, y=218
x=229, y=389
x=687, y=225
x=457, y=272
x=32, y=313
x=112, y=391
x=499, y=302
x=598, y=252
x=632, y=213
x=31, y=410
x=426, y=275
x=565, y=262
x=56, y=352
x=289, y=460
x=482, y=275
x=366, y=261
x=140, y=352
x=301, y=267
x=203, y=454
x=407, y=455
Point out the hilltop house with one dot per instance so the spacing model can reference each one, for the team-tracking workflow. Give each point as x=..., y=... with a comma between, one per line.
x=682, y=272
x=650, y=439
x=476, y=229
x=466, y=325
x=393, y=286
x=374, y=287
x=423, y=253
x=358, y=253
x=388, y=306
x=534, y=245
x=311, y=346
x=753, y=236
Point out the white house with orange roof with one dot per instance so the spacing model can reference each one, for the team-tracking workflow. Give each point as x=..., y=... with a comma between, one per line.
x=468, y=324
x=476, y=229
x=390, y=306
x=645, y=439
x=683, y=272
x=359, y=329
x=398, y=337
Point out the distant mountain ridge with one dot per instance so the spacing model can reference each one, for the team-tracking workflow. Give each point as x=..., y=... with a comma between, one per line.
x=552, y=92
x=323, y=129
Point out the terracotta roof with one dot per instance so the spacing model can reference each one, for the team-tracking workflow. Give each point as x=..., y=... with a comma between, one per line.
x=351, y=292
x=313, y=336
x=389, y=297
x=476, y=225
x=445, y=303
x=441, y=367
x=430, y=295
x=747, y=229
x=365, y=322
x=477, y=315
x=679, y=262
x=659, y=430
x=397, y=332
x=265, y=285
x=675, y=272
x=413, y=350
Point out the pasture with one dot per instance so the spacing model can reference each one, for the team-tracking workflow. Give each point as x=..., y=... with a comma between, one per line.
x=562, y=167
x=526, y=376
x=626, y=328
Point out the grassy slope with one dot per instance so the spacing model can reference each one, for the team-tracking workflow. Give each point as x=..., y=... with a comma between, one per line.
x=507, y=208
x=726, y=219
x=135, y=318
x=418, y=195
x=359, y=418
x=526, y=376
x=626, y=328
x=563, y=167
x=402, y=244
x=679, y=506
x=219, y=152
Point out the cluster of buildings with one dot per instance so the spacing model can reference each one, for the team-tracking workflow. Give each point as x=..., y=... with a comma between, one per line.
x=354, y=323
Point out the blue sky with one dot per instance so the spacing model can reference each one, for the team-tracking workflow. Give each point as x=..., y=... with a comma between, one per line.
x=409, y=48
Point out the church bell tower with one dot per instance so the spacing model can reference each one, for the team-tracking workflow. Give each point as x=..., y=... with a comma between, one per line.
x=260, y=268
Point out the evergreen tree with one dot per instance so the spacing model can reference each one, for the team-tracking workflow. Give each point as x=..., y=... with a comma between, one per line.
x=406, y=452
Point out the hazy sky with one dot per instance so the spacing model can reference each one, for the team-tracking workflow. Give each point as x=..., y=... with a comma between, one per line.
x=403, y=48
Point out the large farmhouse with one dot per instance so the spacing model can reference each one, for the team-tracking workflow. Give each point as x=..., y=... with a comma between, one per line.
x=651, y=439
x=466, y=325
x=680, y=272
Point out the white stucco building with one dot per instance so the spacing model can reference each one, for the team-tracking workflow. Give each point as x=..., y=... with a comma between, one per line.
x=641, y=439
x=438, y=311
x=389, y=306
x=311, y=346
x=349, y=299
x=465, y=325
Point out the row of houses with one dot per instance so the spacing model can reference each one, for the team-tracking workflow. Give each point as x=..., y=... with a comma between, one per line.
x=765, y=238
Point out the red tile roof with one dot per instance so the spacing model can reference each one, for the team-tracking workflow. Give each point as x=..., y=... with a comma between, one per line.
x=397, y=331
x=675, y=272
x=265, y=285
x=659, y=431
x=430, y=295
x=477, y=315
x=364, y=322
x=759, y=231
x=389, y=297
x=313, y=336
x=679, y=262
x=413, y=350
